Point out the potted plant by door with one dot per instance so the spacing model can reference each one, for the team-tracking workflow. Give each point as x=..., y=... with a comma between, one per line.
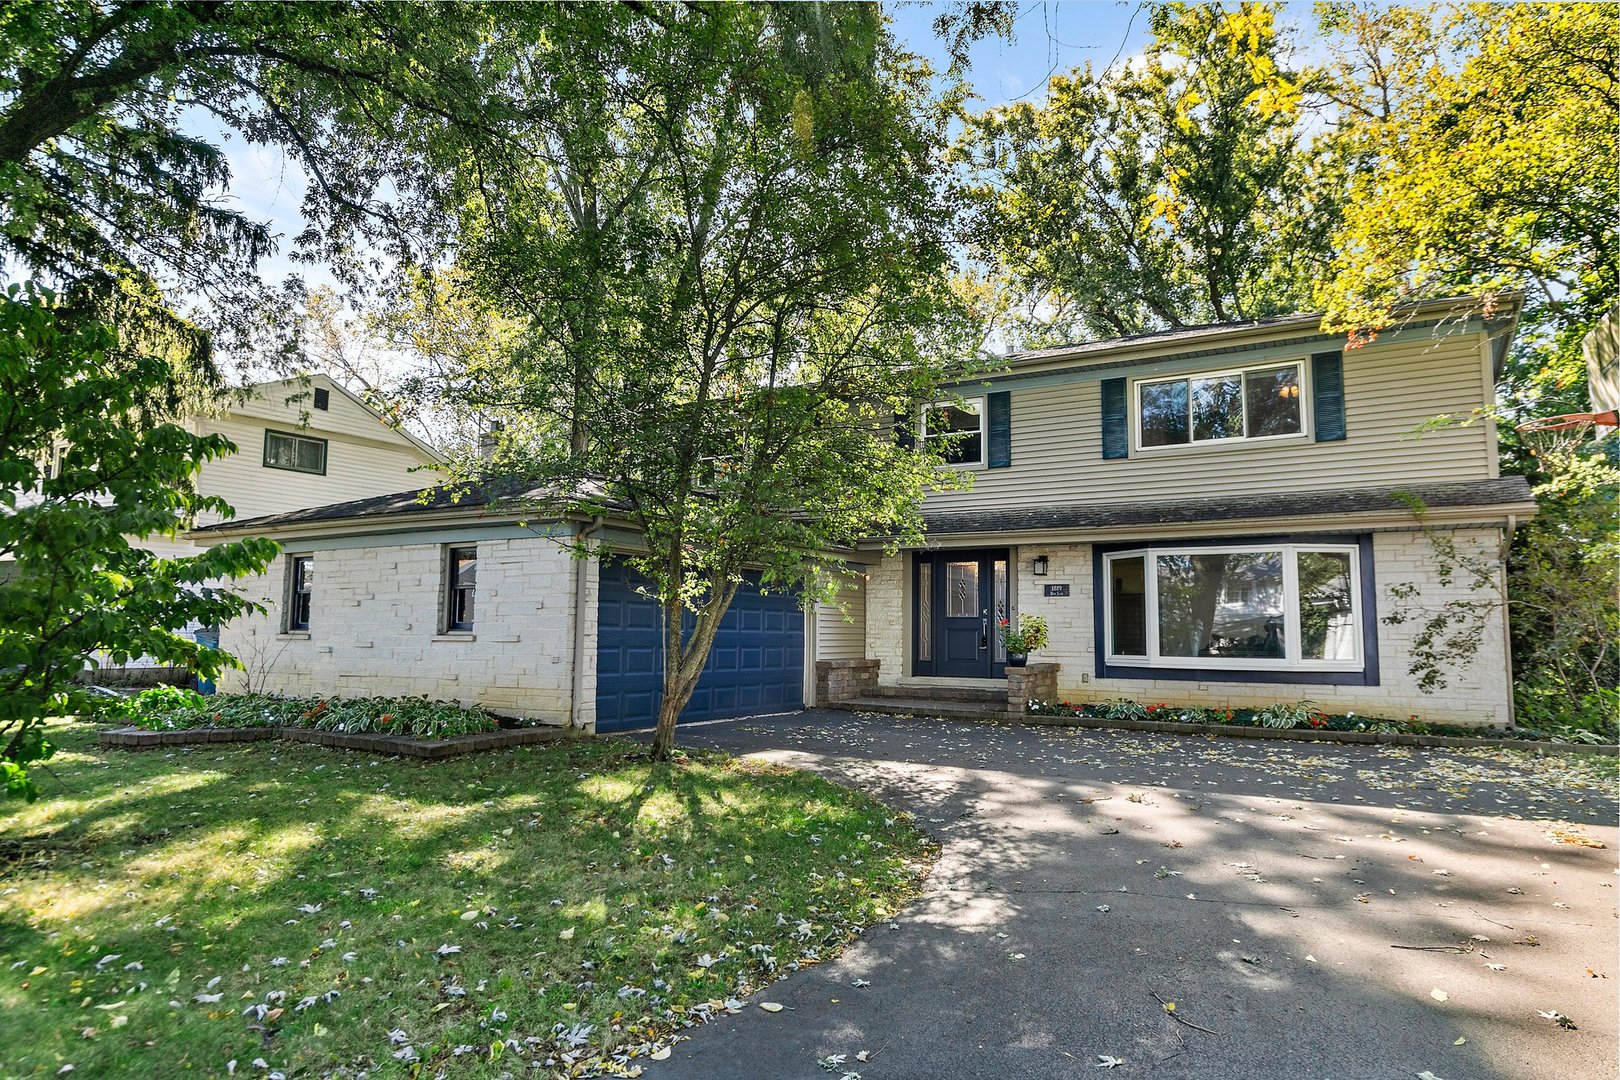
x=1029, y=635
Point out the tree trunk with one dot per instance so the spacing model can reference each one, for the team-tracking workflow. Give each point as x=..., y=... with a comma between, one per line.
x=684, y=661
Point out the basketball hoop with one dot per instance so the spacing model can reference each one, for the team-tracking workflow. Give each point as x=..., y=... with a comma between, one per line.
x=1561, y=436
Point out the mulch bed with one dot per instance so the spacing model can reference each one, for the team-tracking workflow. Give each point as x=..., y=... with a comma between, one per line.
x=133, y=738
x=1233, y=731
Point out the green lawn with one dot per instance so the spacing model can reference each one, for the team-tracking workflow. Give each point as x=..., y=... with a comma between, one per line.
x=326, y=911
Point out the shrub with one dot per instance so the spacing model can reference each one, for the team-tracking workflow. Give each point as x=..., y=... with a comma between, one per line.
x=417, y=718
x=1287, y=715
x=1124, y=709
x=1030, y=635
x=159, y=699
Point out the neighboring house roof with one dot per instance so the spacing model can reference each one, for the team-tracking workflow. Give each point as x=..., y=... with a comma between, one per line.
x=1509, y=494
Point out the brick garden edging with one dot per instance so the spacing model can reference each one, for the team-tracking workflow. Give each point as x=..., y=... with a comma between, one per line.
x=1232, y=731
x=132, y=738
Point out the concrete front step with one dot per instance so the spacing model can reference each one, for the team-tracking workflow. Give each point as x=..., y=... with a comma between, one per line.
x=977, y=695
x=899, y=706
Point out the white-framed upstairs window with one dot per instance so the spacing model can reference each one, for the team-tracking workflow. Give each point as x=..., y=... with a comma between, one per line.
x=1235, y=405
x=956, y=428
x=1267, y=607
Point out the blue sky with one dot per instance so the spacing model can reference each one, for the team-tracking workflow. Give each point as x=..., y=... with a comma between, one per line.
x=1049, y=37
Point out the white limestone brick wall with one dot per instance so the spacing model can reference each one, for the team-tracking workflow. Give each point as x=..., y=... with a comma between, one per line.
x=888, y=617
x=375, y=620
x=1476, y=693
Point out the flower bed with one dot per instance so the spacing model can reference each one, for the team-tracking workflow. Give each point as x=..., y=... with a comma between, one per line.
x=175, y=709
x=1300, y=715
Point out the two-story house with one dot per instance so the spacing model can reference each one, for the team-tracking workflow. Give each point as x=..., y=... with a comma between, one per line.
x=1225, y=515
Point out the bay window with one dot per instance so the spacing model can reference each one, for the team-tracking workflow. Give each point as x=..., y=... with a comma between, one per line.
x=1259, y=607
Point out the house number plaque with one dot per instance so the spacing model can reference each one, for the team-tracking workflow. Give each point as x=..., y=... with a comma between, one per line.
x=1057, y=590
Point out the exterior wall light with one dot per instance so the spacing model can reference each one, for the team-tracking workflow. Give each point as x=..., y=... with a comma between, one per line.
x=1040, y=566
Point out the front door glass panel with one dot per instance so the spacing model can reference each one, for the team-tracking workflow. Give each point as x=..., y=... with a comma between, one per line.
x=961, y=590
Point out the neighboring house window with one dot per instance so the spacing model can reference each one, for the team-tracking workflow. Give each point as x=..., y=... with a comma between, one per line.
x=1282, y=606
x=957, y=428
x=300, y=586
x=461, y=584
x=300, y=453
x=1248, y=403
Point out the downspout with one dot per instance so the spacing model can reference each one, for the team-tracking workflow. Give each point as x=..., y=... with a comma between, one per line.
x=1507, y=620
x=581, y=583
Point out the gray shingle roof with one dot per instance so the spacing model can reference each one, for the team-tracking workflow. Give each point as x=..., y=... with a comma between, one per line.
x=486, y=495
x=1507, y=491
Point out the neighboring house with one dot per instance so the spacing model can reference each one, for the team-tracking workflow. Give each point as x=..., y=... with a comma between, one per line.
x=303, y=442
x=1210, y=516
x=299, y=442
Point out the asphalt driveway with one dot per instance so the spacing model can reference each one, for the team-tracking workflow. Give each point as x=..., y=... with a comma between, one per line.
x=1088, y=880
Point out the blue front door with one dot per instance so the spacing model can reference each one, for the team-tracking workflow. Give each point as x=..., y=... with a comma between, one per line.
x=756, y=664
x=960, y=598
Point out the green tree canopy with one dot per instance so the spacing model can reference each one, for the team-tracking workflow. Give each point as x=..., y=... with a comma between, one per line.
x=87, y=471
x=107, y=192
x=728, y=256
x=1178, y=190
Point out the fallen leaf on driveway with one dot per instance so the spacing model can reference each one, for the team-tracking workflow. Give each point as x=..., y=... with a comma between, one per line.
x=1427, y=1075
x=660, y=1055
x=1439, y=995
x=1106, y=1062
x=770, y=1006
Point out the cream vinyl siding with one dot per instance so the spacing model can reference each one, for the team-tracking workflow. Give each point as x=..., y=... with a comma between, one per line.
x=838, y=638
x=1388, y=391
x=355, y=469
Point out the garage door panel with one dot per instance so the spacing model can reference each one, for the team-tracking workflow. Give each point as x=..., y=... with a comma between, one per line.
x=755, y=665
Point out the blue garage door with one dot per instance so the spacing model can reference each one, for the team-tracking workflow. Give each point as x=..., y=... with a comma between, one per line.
x=755, y=666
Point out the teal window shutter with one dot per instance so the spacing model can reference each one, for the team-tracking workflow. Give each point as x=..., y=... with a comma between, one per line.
x=1327, y=395
x=1116, y=441
x=999, y=420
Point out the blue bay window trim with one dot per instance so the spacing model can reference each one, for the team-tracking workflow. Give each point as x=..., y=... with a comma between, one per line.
x=1367, y=676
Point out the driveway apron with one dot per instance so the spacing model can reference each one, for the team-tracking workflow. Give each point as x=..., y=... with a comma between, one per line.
x=1187, y=907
